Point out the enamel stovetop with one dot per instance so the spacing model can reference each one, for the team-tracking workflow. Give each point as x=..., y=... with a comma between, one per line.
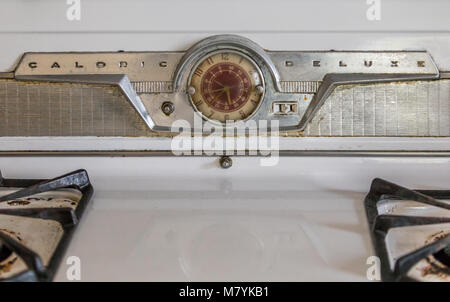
x=178, y=219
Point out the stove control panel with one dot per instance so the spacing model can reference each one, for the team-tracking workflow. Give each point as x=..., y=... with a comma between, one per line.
x=226, y=81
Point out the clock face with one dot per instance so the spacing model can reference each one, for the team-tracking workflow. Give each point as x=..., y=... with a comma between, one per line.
x=226, y=86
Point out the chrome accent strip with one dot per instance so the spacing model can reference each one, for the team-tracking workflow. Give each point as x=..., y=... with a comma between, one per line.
x=6, y=75
x=94, y=143
x=218, y=42
x=427, y=154
x=300, y=86
x=152, y=86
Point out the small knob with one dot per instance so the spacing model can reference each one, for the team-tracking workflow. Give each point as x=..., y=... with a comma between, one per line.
x=190, y=90
x=259, y=89
x=226, y=162
x=168, y=108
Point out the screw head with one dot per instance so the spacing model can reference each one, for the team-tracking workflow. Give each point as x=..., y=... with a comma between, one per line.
x=190, y=90
x=259, y=89
x=168, y=108
x=226, y=162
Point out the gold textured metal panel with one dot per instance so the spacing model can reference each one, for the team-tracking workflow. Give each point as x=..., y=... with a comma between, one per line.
x=417, y=108
x=63, y=109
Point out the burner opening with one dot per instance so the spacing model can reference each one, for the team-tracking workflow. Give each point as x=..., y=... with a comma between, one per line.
x=5, y=252
x=443, y=256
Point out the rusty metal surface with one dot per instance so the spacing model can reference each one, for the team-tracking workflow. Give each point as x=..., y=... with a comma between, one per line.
x=432, y=268
x=37, y=219
x=411, y=246
x=24, y=230
x=63, y=198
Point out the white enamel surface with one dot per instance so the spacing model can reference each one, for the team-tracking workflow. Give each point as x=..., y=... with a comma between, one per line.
x=172, y=218
x=108, y=25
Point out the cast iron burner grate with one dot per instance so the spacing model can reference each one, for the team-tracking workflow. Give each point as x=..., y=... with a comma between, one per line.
x=380, y=225
x=68, y=218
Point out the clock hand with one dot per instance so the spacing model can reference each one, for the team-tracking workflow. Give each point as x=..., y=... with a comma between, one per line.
x=215, y=90
x=219, y=83
x=216, y=96
x=227, y=90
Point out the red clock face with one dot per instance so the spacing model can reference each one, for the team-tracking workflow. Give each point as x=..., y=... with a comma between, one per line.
x=226, y=86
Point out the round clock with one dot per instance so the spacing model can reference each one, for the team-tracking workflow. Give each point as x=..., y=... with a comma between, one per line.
x=226, y=85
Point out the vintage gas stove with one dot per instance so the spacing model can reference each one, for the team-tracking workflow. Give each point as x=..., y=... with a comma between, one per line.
x=225, y=162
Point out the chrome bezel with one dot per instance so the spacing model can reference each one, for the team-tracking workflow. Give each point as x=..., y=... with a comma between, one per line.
x=257, y=69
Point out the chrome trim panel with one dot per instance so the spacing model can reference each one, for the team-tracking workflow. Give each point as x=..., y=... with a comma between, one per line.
x=305, y=77
x=353, y=103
